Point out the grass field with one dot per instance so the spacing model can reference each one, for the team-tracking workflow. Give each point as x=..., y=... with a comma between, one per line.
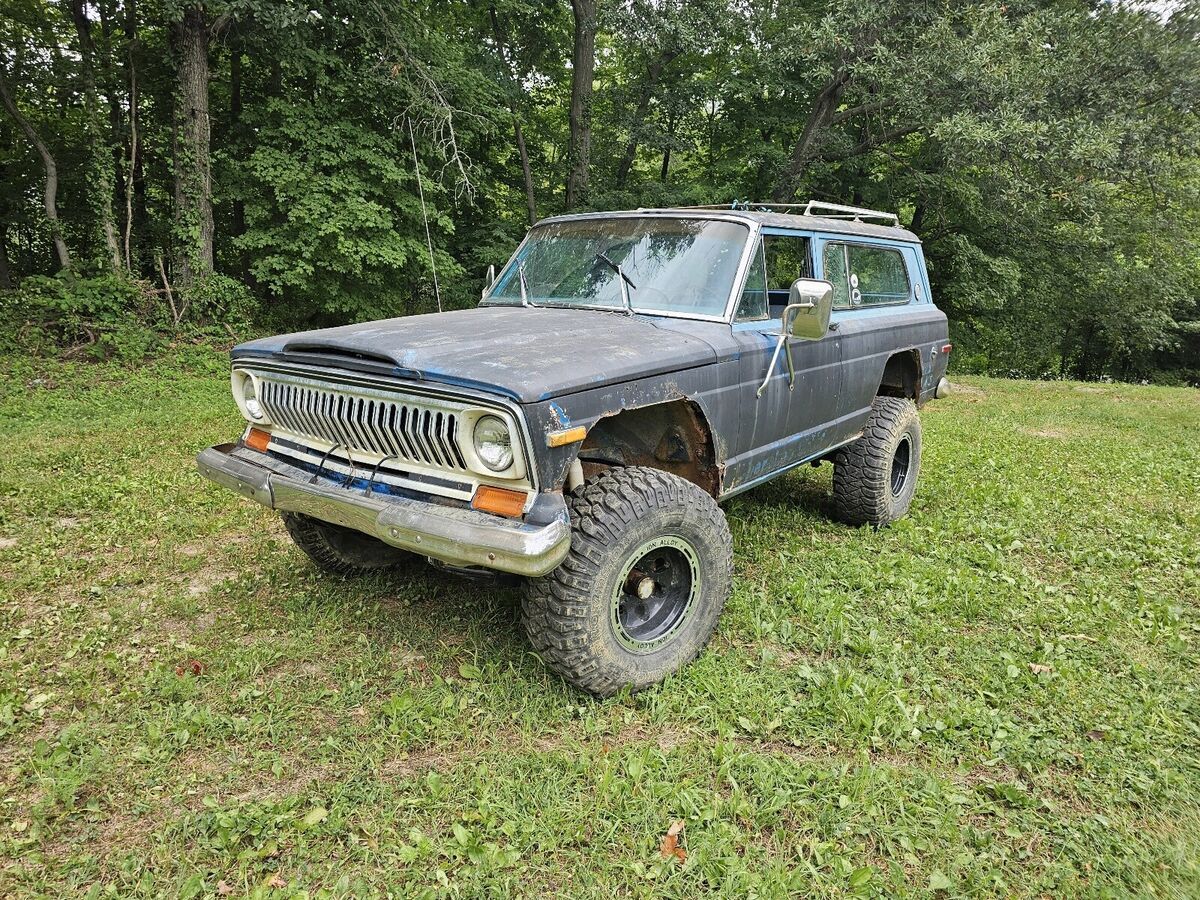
x=996, y=697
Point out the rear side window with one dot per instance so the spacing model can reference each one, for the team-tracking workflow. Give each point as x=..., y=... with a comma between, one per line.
x=866, y=276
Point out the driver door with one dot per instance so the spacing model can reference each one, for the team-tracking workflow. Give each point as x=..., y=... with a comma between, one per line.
x=784, y=426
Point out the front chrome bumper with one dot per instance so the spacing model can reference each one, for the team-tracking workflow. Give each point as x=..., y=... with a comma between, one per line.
x=460, y=537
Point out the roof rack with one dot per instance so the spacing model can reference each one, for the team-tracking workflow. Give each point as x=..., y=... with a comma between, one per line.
x=854, y=213
x=810, y=208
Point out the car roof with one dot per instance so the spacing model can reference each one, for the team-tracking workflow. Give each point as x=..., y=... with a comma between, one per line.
x=764, y=218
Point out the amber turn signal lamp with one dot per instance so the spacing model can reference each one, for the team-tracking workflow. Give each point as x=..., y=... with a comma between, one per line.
x=498, y=500
x=567, y=436
x=258, y=440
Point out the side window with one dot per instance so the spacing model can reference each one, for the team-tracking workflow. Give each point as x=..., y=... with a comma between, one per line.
x=866, y=276
x=753, y=305
x=835, y=274
x=877, y=276
x=787, y=260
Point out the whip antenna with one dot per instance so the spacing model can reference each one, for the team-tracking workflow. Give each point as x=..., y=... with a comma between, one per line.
x=424, y=215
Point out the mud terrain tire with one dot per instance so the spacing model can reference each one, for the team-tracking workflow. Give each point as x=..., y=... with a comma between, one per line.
x=875, y=477
x=339, y=550
x=640, y=592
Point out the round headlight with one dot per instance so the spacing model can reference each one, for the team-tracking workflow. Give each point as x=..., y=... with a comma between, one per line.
x=493, y=443
x=253, y=407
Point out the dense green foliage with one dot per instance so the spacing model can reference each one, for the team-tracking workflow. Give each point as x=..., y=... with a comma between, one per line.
x=996, y=697
x=1045, y=151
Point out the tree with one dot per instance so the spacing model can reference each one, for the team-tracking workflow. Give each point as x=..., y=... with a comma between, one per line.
x=50, y=195
x=192, y=129
x=1047, y=154
x=100, y=152
x=513, y=75
x=583, y=67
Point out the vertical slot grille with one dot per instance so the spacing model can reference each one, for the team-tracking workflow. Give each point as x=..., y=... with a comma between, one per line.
x=406, y=431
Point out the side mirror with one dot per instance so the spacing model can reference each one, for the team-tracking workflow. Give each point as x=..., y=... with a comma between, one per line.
x=810, y=302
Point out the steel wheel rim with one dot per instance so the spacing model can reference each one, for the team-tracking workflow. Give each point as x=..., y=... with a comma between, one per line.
x=901, y=463
x=655, y=593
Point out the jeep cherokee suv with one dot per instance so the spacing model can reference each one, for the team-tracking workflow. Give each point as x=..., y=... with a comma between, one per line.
x=624, y=373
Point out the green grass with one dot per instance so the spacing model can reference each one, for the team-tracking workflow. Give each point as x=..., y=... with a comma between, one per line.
x=995, y=697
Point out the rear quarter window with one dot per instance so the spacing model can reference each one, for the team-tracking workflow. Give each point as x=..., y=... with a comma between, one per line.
x=863, y=275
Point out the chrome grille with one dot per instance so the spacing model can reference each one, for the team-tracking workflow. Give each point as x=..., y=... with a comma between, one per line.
x=404, y=430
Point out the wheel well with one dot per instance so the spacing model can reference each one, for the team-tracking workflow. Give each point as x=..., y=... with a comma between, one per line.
x=902, y=376
x=673, y=437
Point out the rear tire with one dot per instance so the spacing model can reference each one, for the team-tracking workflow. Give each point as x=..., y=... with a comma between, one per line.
x=875, y=477
x=640, y=592
x=339, y=550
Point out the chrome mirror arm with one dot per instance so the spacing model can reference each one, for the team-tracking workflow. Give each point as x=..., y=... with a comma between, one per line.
x=783, y=336
x=779, y=342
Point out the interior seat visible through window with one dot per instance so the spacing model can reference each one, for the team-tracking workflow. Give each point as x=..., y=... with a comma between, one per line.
x=780, y=260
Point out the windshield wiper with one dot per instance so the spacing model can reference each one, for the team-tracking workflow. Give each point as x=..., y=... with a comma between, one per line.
x=622, y=279
x=525, y=301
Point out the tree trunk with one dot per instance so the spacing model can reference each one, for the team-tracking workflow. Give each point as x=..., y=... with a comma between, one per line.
x=131, y=35
x=193, y=175
x=824, y=105
x=918, y=219
x=583, y=68
x=235, y=121
x=101, y=154
x=50, y=198
x=111, y=77
x=5, y=278
x=666, y=157
x=649, y=86
x=518, y=132
x=526, y=173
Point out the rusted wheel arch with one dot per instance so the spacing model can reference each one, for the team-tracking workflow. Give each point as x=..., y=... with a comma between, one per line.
x=673, y=436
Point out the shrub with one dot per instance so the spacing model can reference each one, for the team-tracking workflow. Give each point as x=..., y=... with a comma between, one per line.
x=103, y=315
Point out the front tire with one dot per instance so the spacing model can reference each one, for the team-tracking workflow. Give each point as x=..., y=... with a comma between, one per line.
x=875, y=477
x=640, y=592
x=339, y=550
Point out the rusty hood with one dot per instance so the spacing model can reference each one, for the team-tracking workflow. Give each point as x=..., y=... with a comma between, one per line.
x=529, y=354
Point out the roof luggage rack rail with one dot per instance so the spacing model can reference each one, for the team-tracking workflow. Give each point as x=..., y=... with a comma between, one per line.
x=854, y=213
x=810, y=208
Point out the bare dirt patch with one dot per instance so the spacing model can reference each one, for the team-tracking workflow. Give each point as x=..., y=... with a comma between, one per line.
x=212, y=544
x=205, y=580
x=417, y=762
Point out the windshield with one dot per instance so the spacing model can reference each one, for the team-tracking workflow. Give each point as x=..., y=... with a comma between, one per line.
x=684, y=266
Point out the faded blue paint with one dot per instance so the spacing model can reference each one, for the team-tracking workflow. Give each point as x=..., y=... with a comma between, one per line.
x=570, y=367
x=559, y=413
